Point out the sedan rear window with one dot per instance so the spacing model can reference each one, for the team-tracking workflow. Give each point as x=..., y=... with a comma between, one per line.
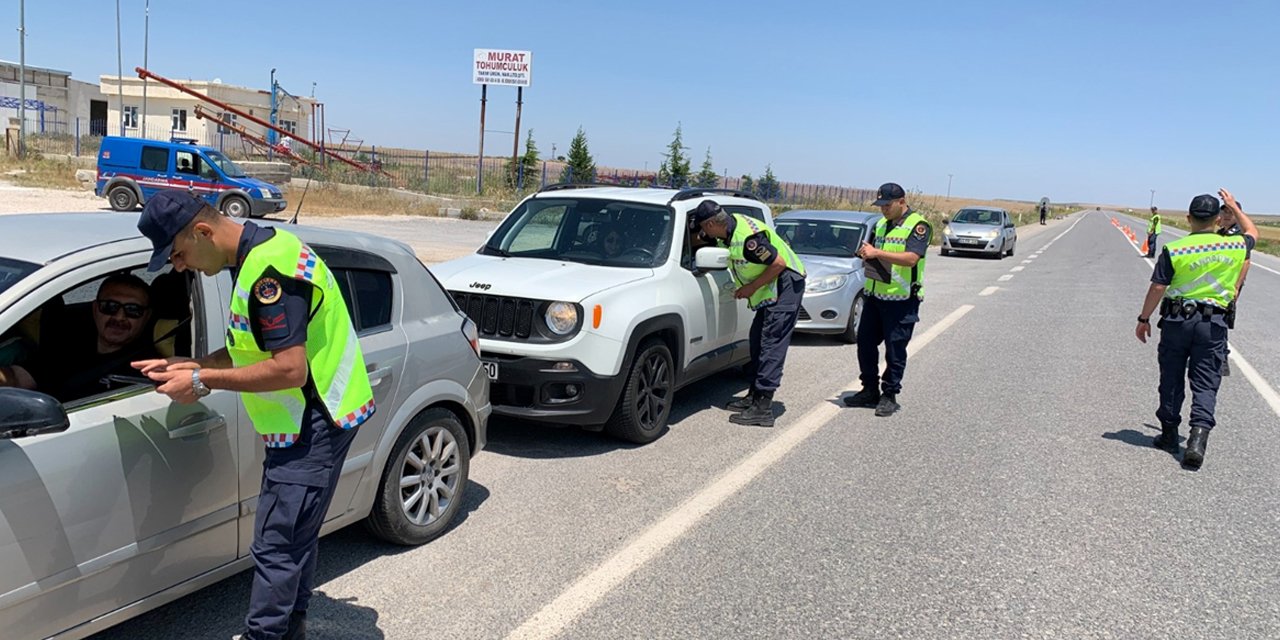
x=11, y=271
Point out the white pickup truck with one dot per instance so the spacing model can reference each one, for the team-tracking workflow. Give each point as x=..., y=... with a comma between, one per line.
x=593, y=309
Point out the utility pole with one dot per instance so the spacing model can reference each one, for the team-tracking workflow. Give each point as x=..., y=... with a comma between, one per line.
x=146, y=38
x=948, y=187
x=1153, y=198
x=271, y=134
x=22, y=79
x=119, y=69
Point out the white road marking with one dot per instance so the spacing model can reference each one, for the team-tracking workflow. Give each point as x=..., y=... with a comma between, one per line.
x=1017, y=269
x=554, y=618
x=1253, y=265
x=988, y=291
x=1026, y=262
x=1033, y=257
x=1004, y=278
x=1259, y=383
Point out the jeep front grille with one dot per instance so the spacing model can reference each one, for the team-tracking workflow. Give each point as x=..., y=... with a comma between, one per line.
x=498, y=316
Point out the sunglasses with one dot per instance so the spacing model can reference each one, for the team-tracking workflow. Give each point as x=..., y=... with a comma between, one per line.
x=131, y=309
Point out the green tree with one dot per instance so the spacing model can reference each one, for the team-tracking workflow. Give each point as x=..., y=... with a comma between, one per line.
x=747, y=185
x=675, y=170
x=707, y=177
x=768, y=188
x=580, y=168
x=526, y=169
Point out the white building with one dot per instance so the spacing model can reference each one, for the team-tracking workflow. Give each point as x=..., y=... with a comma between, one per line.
x=55, y=102
x=171, y=113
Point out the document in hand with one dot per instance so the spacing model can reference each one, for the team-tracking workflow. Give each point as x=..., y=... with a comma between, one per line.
x=876, y=270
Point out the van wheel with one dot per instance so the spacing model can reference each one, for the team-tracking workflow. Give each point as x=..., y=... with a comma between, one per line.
x=645, y=405
x=850, y=334
x=236, y=207
x=122, y=198
x=423, y=483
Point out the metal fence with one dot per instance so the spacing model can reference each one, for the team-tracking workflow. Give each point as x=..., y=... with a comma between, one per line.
x=420, y=171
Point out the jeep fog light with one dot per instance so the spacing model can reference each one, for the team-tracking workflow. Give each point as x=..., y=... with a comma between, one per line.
x=562, y=317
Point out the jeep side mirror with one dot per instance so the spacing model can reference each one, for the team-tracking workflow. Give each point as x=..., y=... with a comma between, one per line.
x=711, y=259
x=30, y=413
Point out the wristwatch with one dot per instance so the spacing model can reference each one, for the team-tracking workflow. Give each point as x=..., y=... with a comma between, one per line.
x=1146, y=320
x=198, y=387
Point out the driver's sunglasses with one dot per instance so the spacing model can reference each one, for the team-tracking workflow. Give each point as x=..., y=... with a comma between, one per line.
x=110, y=307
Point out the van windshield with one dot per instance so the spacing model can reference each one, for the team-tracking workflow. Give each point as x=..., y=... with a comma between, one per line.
x=228, y=167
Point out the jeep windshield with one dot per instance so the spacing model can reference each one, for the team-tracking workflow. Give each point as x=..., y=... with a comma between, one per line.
x=592, y=231
x=11, y=271
x=228, y=167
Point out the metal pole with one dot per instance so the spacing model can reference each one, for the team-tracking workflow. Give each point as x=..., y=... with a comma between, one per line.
x=1153, y=198
x=515, y=150
x=146, y=37
x=119, y=69
x=77, y=136
x=948, y=187
x=22, y=79
x=271, y=135
x=484, y=94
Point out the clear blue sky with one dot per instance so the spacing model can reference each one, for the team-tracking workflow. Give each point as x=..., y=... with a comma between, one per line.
x=1076, y=100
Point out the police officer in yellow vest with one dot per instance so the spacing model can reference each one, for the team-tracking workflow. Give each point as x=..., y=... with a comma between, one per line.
x=892, y=307
x=292, y=353
x=1194, y=283
x=1153, y=232
x=770, y=277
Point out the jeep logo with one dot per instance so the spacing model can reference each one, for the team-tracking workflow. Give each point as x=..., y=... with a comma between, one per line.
x=480, y=285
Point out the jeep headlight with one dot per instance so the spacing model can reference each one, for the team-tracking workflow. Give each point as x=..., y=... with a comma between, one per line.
x=992, y=234
x=266, y=193
x=562, y=317
x=826, y=283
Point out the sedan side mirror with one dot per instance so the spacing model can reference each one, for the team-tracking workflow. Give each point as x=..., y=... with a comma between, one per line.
x=711, y=259
x=30, y=413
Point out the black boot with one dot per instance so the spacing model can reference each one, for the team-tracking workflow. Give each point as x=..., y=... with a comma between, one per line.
x=888, y=405
x=1194, y=457
x=1168, y=438
x=743, y=403
x=759, y=414
x=865, y=399
x=297, y=626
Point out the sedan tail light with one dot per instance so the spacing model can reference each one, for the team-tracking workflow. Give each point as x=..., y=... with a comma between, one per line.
x=472, y=332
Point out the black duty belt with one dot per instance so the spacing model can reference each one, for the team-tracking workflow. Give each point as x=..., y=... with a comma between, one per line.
x=1172, y=308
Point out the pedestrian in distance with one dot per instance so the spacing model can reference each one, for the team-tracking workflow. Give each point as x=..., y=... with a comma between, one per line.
x=291, y=352
x=771, y=278
x=894, y=263
x=1153, y=232
x=1228, y=226
x=1194, y=283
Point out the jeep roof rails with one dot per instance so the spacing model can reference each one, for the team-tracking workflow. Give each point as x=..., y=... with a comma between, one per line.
x=697, y=192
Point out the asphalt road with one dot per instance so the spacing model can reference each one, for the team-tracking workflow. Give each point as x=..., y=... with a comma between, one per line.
x=1016, y=494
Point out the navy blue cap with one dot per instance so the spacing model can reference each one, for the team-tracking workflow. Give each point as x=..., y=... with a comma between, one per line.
x=705, y=210
x=889, y=192
x=166, y=214
x=1204, y=206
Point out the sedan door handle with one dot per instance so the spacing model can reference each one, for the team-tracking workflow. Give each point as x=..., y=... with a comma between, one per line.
x=376, y=376
x=199, y=427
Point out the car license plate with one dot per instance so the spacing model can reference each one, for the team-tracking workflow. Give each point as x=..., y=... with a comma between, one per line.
x=490, y=368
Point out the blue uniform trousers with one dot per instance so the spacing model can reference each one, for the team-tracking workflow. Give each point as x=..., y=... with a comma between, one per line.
x=1191, y=350
x=286, y=540
x=771, y=331
x=891, y=322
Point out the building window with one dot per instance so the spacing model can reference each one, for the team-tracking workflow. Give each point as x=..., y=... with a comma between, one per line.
x=179, y=119
x=290, y=125
x=131, y=117
x=229, y=118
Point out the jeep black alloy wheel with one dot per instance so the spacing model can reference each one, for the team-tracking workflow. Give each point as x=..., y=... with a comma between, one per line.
x=645, y=405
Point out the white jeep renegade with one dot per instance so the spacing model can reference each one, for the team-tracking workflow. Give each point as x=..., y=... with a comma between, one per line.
x=593, y=309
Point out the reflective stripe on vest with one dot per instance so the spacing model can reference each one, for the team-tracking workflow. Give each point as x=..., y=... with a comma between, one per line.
x=1206, y=268
x=901, y=278
x=334, y=359
x=744, y=272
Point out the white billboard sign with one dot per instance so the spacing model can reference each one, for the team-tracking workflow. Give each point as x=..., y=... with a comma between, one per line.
x=500, y=66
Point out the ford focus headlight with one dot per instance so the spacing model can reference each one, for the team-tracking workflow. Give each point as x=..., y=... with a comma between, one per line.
x=826, y=283
x=562, y=317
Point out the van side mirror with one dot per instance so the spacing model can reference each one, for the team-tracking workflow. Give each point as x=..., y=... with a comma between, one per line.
x=711, y=259
x=30, y=413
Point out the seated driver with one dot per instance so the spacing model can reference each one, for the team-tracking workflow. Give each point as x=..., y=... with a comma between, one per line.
x=78, y=366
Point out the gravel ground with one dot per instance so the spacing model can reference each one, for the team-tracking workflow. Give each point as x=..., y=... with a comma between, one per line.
x=16, y=199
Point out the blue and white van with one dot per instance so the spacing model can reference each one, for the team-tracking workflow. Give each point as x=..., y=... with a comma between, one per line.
x=131, y=170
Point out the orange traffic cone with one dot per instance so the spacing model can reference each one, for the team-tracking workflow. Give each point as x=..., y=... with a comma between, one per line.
x=1145, y=248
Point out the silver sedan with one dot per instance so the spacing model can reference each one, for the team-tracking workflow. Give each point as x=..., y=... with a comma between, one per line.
x=119, y=501
x=982, y=230
x=826, y=242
